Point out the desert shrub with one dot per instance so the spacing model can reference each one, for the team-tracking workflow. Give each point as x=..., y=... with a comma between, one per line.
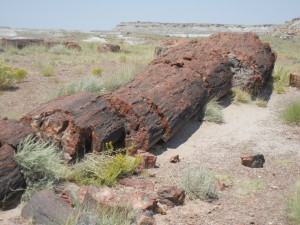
x=291, y=114
x=293, y=207
x=123, y=58
x=7, y=75
x=60, y=49
x=41, y=164
x=97, y=214
x=20, y=74
x=240, y=95
x=92, y=84
x=104, y=168
x=47, y=70
x=281, y=80
x=213, y=112
x=97, y=71
x=200, y=183
x=260, y=102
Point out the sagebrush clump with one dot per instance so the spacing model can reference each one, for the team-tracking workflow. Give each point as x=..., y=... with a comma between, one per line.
x=213, y=112
x=41, y=163
x=241, y=95
x=291, y=114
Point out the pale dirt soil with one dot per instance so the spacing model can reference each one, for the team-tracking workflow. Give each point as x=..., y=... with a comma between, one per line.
x=247, y=128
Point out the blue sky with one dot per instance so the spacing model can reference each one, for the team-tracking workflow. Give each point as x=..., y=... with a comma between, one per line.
x=104, y=15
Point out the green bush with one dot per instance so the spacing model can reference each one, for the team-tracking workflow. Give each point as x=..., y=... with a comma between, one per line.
x=261, y=102
x=293, y=207
x=97, y=214
x=103, y=169
x=281, y=80
x=7, y=75
x=200, y=183
x=20, y=74
x=213, y=112
x=47, y=71
x=60, y=50
x=97, y=71
x=291, y=114
x=41, y=164
x=240, y=95
x=92, y=84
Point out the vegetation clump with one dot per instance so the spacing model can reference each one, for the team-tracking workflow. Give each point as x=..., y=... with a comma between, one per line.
x=97, y=71
x=200, y=183
x=293, y=207
x=281, y=80
x=213, y=112
x=41, y=163
x=241, y=95
x=8, y=75
x=291, y=114
x=104, y=168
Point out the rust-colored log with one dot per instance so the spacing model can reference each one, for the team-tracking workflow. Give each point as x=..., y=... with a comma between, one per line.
x=12, y=182
x=160, y=99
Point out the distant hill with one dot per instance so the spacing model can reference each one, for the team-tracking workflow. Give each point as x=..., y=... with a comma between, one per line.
x=191, y=29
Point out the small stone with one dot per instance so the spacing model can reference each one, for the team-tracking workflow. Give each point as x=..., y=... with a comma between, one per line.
x=252, y=160
x=171, y=195
x=148, y=159
x=174, y=159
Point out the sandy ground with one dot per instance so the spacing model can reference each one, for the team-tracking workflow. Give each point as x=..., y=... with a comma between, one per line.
x=247, y=128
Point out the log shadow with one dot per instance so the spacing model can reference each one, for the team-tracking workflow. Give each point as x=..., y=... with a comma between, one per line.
x=180, y=137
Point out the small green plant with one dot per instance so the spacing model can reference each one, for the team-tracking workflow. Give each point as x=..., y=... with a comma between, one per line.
x=20, y=74
x=261, y=102
x=103, y=168
x=92, y=84
x=97, y=71
x=200, y=183
x=123, y=58
x=293, y=207
x=281, y=80
x=246, y=186
x=240, y=95
x=213, y=112
x=47, y=71
x=98, y=214
x=7, y=75
x=59, y=50
x=41, y=163
x=291, y=114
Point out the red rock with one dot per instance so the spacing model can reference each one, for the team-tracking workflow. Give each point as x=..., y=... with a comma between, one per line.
x=174, y=159
x=295, y=79
x=137, y=183
x=252, y=160
x=148, y=159
x=146, y=220
x=108, y=48
x=72, y=45
x=45, y=207
x=171, y=195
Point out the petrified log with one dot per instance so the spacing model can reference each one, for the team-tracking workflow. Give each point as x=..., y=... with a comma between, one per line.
x=45, y=207
x=22, y=42
x=160, y=99
x=12, y=182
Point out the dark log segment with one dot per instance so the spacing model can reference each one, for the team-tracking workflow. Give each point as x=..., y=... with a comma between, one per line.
x=12, y=132
x=79, y=123
x=252, y=61
x=12, y=182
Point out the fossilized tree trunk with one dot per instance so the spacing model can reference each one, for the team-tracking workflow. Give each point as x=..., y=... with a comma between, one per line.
x=159, y=100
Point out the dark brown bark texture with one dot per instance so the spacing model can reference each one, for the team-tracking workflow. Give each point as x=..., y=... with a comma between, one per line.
x=157, y=102
x=160, y=99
